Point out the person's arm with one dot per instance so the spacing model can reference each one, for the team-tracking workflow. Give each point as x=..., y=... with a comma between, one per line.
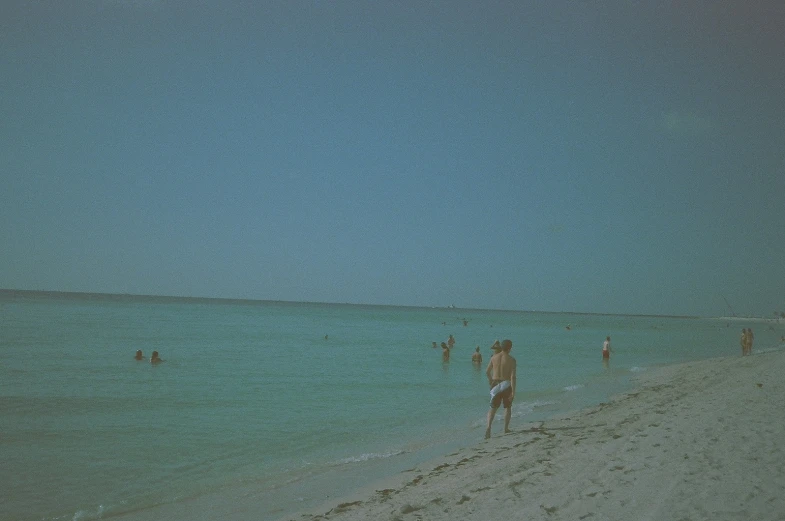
x=513, y=377
x=488, y=371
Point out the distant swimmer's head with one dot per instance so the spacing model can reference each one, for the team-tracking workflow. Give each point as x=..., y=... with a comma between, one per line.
x=139, y=354
x=496, y=346
x=506, y=345
x=477, y=349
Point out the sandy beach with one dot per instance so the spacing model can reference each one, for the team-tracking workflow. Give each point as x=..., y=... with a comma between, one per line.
x=696, y=441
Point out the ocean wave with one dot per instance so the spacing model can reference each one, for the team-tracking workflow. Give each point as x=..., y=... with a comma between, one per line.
x=574, y=387
x=370, y=456
x=84, y=515
x=526, y=408
x=542, y=403
x=637, y=369
x=518, y=410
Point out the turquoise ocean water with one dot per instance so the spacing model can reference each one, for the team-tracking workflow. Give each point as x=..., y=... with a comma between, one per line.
x=266, y=408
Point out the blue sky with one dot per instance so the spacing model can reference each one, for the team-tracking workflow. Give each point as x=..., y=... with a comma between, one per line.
x=617, y=157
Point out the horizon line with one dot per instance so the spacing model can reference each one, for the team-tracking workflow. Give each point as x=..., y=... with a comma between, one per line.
x=175, y=298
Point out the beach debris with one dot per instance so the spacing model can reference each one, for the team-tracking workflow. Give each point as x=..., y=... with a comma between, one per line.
x=408, y=509
x=343, y=507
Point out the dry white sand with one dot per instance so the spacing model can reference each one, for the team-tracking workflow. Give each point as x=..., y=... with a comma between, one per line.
x=696, y=441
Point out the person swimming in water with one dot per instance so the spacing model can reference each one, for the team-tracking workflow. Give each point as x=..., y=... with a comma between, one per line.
x=477, y=357
x=139, y=355
x=445, y=353
x=155, y=359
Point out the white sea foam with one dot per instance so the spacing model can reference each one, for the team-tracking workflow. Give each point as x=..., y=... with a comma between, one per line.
x=540, y=403
x=518, y=410
x=574, y=387
x=83, y=515
x=370, y=456
x=636, y=369
x=526, y=408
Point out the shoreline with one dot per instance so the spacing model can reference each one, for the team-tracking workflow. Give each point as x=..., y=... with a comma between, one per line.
x=694, y=440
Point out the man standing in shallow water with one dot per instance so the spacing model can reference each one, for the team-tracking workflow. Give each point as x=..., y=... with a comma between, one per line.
x=501, y=377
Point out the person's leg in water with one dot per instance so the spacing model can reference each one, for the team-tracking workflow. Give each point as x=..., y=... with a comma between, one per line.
x=491, y=414
x=507, y=416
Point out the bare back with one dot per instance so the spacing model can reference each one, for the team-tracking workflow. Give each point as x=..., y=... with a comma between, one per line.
x=501, y=367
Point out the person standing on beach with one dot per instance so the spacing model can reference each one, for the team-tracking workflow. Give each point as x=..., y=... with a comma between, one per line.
x=746, y=341
x=501, y=374
x=750, y=338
